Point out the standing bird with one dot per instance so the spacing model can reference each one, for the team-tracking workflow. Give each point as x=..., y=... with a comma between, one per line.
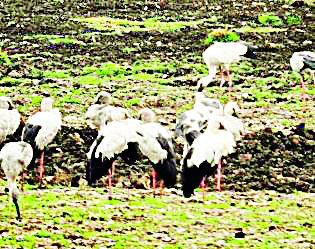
x=114, y=139
x=205, y=152
x=14, y=157
x=10, y=118
x=300, y=61
x=166, y=169
x=230, y=120
x=101, y=111
x=40, y=130
x=224, y=53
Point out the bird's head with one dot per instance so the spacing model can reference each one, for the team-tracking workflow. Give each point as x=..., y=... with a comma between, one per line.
x=6, y=103
x=232, y=108
x=204, y=82
x=47, y=104
x=147, y=115
x=103, y=98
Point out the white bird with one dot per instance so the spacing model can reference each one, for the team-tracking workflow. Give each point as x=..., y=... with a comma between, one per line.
x=10, y=118
x=101, y=112
x=14, y=157
x=41, y=129
x=224, y=53
x=205, y=152
x=152, y=129
x=230, y=120
x=114, y=139
x=193, y=122
x=300, y=61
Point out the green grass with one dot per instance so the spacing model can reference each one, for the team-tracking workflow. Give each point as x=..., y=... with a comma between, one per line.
x=270, y=19
x=69, y=216
x=124, y=25
x=221, y=35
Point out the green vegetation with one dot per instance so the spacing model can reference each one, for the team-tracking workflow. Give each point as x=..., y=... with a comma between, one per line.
x=124, y=25
x=221, y=35
x=270, y=19
x=68, y=217
x=293, y=20
x=4, y=58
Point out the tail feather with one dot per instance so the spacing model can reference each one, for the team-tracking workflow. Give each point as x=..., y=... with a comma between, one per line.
x=192, y=176
x=166, y=169
x=28, y=135
x=97, y=166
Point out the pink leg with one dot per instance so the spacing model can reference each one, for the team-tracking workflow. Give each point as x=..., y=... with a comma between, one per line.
x=161, y=187
x=110, y=184
x=218, y=177
x=202, y=185
x=222, y=77
x=154, y=181
x=230, y=81
x=304, y=89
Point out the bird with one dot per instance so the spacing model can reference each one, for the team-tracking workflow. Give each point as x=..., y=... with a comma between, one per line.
x=151, y=128
x=204, y=154
x=10, y=118
x=230, y=120
x=40, y=130
x=114, y=138
x=192, y=123
x=14, y=157
x=101, y=111
x=224, y=53
x=300, y=61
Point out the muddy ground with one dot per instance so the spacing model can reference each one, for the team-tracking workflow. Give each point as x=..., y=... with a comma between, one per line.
x=281, y=158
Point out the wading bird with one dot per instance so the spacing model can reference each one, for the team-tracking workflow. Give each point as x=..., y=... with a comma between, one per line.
x=40, y=130
x=14, y=157
x=204, y=154
x=101, y=111
x=114, y=139
x=9, y=118
x=300, y=61
x=223, y=54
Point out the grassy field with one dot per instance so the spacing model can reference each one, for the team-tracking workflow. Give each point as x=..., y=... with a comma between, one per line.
x=85, y=218
x=146, y=56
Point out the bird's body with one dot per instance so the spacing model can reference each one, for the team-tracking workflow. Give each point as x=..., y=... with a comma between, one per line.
x=40, y=130
x=9, y=123
x=116, y=138
x=101, y=112
x=10, y=118
x=224, y=53
x=205, y=152
x=14, y=157
x=302, y=60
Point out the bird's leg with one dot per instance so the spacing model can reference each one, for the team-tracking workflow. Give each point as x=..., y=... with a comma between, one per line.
x=41, y=168
x=161, y=187
x=15, y=201
x=110, y=184
x=153, y=181
x=22, y=181
x=202, y=185
x=218, y=177
x=222, y=77
x=229, y=75
x=304, y=89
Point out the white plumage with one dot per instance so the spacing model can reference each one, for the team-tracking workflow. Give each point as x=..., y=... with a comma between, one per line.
x=230, y=120
x=41, y=129
x=48, y=119
x=223, y=53
x=205, y=152
x=14, y=157
x=101, y=112
x=302, y=60
x=10, y=118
